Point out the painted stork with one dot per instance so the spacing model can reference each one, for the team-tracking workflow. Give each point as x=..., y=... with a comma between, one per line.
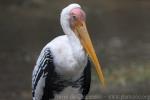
x=63, y=63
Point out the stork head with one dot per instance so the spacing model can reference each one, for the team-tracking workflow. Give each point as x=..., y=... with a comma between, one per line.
x=73, y=18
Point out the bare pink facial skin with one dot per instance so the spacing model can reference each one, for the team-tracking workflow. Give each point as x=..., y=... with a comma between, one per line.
x=77, y=15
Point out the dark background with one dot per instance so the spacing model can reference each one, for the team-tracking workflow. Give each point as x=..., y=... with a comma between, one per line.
x=120, y=30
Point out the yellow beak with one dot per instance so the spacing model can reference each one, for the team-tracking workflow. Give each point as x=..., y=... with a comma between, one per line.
x=82, y=33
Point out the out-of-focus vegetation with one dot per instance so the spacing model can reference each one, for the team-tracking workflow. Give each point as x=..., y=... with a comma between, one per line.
x=119, y=30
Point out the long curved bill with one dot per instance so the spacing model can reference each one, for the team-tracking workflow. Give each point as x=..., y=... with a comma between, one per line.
x=82, y=33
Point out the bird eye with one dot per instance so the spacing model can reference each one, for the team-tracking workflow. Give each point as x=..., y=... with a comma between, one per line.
x=74, y=17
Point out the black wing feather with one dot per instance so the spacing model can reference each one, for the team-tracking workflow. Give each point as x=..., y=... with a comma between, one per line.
x=86, y=81
x=45, y=70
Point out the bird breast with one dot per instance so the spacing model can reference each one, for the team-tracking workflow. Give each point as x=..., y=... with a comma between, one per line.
x=67, y=62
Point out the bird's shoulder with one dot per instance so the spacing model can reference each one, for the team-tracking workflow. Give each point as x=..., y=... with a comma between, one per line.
x=59, y=45
x=58, y=39
x=57, y=42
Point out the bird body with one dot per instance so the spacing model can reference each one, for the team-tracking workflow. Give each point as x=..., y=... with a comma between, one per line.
x=68, y=58
x=64, y=63
x=68, y=70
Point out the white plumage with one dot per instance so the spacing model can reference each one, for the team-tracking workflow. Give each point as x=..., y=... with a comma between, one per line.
x=63, y=63
x=68, y=59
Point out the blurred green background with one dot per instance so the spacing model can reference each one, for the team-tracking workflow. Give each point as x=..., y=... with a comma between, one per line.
x=120, y=30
